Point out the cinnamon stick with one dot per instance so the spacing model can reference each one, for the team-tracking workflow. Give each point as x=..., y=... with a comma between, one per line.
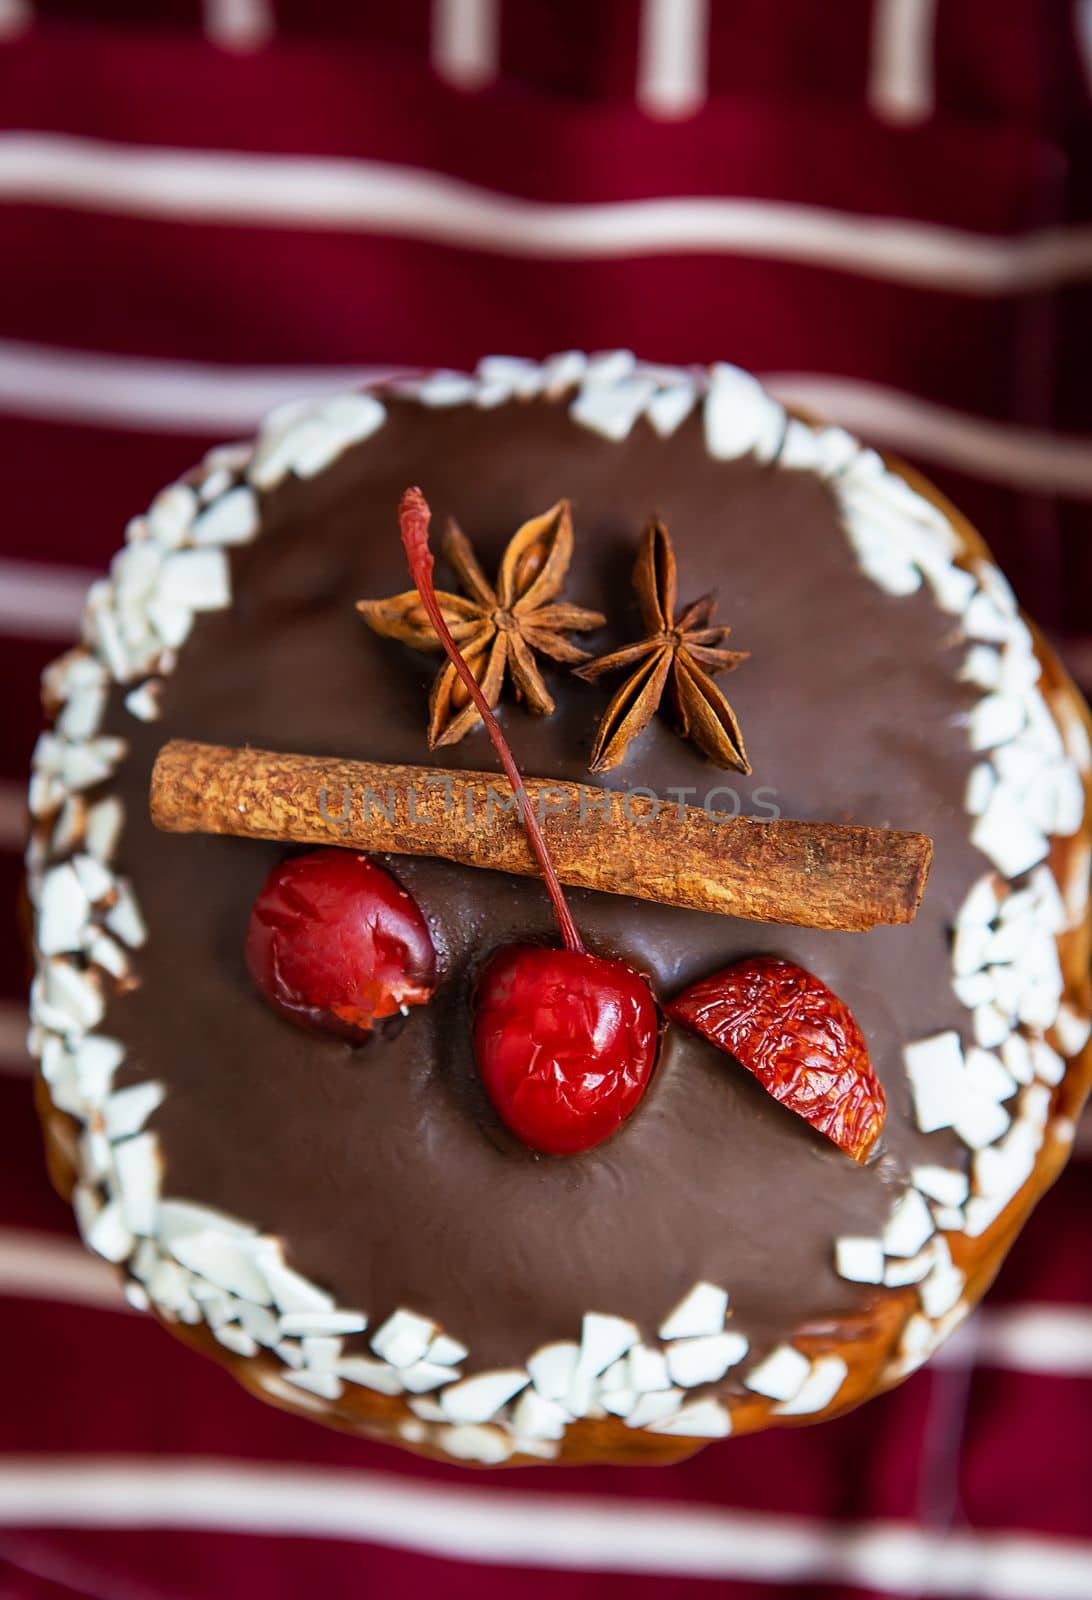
x=809, y=874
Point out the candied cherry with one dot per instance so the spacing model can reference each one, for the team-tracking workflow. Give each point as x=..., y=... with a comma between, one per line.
x=565, y=1041
x=335, y=943
x=798, y=1039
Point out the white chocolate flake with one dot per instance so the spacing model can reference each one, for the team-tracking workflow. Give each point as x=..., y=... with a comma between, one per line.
x=320, y=1351
x=63, y=910
x=103, y=829
x=898, y=1273
x=95, y=879
x=909, y=1226
x=107, y=1232
x=403, y=1339
x=291, y=1292
x=304, y=1324
x=171, y=514
x=604, y=1339
x=781, y=1374
x=226, y=1261
x=646, y=1369
x=446, y=1351
x=126, y=1111
x=1048, y=1065
x=935, y=1069
x=552, y=1368
x=370, y=1374
x=137, y=1166
x=475, y=1443
x=943, y=1184
x=703, y=1310
x=427, y=1409
x=613, y=409
x=145, y=702
x=536, y=1418
x=996, y=719
x=259, y=1321
x=125, y=919
x=982, y=667
x=327, y=1385
x=702, y=1419
x=819, y=1389
x=620, y=1402
x=1003, y=833
x=522, y=378
x=860, y=1260
x=1072, y=1029
x=180, y=1217
x=984, y=1075
x=980, y=1122
x=980, y=786
x=478, y=1399
x=655, y=1406
x=232, y=519
x=426, y=1375
x=704, y=1359
x=740, y=418
x=194, y=580
x=236, y=1340
x=306, y=437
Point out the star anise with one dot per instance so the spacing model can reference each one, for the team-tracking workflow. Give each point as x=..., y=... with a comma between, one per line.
x=680, y=655
x=500, y=628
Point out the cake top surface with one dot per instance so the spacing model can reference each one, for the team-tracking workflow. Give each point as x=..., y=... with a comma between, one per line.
x=383, y=1171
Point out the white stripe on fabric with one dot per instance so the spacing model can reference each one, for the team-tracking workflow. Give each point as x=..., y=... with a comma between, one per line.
x=41, y=602
x=466, y=41
x=673, y=52
x=900, y=84
x=1055, y=1340
x=156, y=396
x=238, y=24
x=16, y=17
x=484, y=1524
x=338, y=193
x=208, y=401
x=42, y=1266
x=999, y=452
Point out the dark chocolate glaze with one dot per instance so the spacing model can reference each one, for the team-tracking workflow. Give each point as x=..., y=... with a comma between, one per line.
x=383, y=1168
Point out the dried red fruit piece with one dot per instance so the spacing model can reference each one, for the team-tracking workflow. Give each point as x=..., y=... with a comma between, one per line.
x=335, y=943
x=798, y=1039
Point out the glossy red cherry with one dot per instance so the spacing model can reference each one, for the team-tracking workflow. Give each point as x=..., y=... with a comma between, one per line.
x=565, y=1044
x=334, y=943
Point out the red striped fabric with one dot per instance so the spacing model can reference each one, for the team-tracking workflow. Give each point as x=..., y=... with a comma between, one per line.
x=886, y=207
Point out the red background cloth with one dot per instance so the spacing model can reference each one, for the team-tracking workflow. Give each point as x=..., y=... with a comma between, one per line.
x=922, y=274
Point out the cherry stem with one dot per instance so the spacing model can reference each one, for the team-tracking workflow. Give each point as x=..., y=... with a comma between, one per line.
x=414, y=517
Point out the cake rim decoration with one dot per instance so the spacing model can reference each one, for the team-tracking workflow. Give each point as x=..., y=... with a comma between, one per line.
x=157, y=583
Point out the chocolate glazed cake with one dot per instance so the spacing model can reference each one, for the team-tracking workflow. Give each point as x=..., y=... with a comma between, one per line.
x=351, y=1223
